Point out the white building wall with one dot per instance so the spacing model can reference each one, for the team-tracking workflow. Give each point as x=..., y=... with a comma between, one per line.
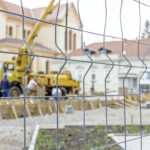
x=114, y=81
x=78, y=70
x=2, y=25
x=17, y=27
x=74, y=22
x=46, y=35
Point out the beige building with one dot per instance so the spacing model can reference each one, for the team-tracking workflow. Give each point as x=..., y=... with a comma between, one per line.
x=11, y=33
x=95, y=79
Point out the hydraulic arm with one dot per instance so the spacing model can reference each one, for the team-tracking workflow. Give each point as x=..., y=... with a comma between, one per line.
x=23, y=60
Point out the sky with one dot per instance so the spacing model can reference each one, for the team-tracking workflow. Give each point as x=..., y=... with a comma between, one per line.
x=93, y=17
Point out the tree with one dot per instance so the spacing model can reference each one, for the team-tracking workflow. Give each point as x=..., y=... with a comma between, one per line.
x=146, y=32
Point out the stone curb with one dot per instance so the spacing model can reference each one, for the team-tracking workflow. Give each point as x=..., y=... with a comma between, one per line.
x=34, y=137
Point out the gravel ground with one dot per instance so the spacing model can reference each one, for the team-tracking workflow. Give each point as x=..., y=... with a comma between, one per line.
x=11, y=138
x=11, y=131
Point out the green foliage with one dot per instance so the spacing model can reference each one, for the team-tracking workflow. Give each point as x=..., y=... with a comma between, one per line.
x=133, y=129
x=114, y=129
x=71, y=138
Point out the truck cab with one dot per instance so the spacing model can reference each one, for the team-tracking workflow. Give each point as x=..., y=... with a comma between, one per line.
x=9, y=68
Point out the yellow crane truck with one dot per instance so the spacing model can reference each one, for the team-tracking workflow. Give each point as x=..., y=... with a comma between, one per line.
x=15, y=69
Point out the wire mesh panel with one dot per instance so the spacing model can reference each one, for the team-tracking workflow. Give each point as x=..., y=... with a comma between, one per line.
x=95, y=96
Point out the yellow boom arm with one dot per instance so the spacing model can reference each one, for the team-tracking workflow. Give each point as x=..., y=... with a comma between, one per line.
x=22, y=60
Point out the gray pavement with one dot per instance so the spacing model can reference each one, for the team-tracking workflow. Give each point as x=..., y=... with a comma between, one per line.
x=11, y=131
x=133, y=144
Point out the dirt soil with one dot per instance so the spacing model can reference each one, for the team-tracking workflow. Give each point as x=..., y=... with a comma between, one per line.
x=71, y=138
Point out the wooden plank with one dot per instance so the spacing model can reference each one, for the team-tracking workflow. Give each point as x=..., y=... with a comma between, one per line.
x=7, y=102
x=91, y=105
x=50, y=108
x=145, y=98
x=14, y=111
x=28, y=111
x=115, y=104
x=133, y=103
x=61, y=108
x=134, y=97
x=39, y=109
x=55, y=107
x=99, y=104
x=80, y=105
x=31, y=101
x=122, y=103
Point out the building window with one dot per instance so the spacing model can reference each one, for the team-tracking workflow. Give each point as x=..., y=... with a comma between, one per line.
x=47, y=67
x=10, y=66
x=134, y=83
x=79, y=77
x=70, y=40
x=28, y=32
x=13, y=58
x=74, y=41
x=148, y=75
x=93, y=77
x=7, y=32
x=10, y=32
x=24, y=33
x=66, y=41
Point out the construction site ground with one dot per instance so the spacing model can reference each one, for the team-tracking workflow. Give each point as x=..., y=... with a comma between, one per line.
x=11, y=131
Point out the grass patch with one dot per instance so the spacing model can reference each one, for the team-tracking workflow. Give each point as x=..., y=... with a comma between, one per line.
x=71, y=138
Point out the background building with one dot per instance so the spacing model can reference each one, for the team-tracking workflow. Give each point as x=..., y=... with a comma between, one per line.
x=11, y=33
x=96, y=76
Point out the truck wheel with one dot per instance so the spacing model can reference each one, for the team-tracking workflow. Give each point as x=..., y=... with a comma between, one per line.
x=14, y=91
x=76, y=92
x=1, y=94
x=64, y=92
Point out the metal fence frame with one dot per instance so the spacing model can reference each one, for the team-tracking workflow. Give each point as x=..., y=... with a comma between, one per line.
x=90, y=62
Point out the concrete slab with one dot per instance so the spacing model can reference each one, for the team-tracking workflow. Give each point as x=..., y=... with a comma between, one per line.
x=133, y=144
x=12, y=138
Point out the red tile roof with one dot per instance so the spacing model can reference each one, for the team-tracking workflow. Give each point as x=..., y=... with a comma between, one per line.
x=15, y=8
x=35, y=13
x=77, y=52
x=38, y=11
x=116, y=48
